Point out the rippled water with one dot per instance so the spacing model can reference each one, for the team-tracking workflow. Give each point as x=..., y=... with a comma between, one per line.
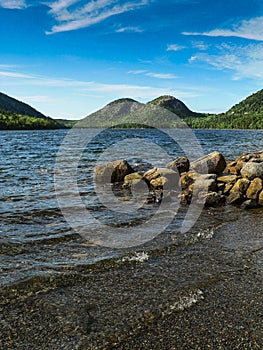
x=35, y=239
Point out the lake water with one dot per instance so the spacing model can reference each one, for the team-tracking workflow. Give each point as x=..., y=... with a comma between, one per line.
x=37, y=242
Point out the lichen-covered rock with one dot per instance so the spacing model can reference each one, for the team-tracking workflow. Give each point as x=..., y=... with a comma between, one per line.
x=227, y=178
x=260, y=198
x=180, y=164
x=254, y=188
x=113, y=172
x=159, y=182
x=213, y=163
x=240, y=186
x=168, y=176
x=251, y=170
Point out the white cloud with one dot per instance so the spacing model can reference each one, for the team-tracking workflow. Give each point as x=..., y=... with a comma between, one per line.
x=175, y=47
x=13, y=4
x=129, y=29
x=14, y=75
x=154, y=75
x=73, y=14
x=244, y=61
x=200, y=45
x=247, y=29
x=161, y=75
x=138, y=91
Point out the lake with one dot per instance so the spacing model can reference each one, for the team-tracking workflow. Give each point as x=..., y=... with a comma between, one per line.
x=43, y=255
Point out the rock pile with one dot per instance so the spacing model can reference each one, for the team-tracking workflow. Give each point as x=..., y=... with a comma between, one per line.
x=210, y=179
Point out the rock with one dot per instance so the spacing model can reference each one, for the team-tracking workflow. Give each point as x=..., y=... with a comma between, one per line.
x=240, y=186
x=254, y=188
x=132, y=179
x=211, y=199
x=159, y=182
x=186, y=180
x=180, y=164
x=228, y=188
x=171, y=176
x=249, y=204
x=151, y=174
x=251, y=170
x=260, y=198
x=113, y=172
x=235, y=198
x=204, y=184
x=213, y=163
x=227, y=178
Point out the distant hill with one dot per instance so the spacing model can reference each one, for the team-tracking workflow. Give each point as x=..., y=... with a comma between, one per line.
x=247, y=114
x=17, y=115
x=10, y=104
x=163, y=112
x=175, y=106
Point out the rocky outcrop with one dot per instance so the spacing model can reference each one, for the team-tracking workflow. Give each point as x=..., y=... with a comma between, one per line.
x=239, y=182
x=113, y=172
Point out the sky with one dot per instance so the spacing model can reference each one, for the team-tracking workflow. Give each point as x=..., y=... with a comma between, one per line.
x=69, y=58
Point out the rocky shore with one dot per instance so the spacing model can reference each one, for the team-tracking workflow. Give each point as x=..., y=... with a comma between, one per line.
x=210, y=180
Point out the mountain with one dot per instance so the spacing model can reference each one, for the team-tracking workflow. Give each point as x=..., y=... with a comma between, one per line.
x=17, y=115
x=175, y=106
x=113, y=113
x=247, y=114
x=163, y=112
x=10, y=104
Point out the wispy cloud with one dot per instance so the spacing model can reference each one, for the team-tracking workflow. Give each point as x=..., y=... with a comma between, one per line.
x=13, y=4
x=200, y=45
x=175, y=47
x=15, y=75
x=247, y=29
x=245, y=61
x=76, y=14
x=129, y=29
x=138, y=91
x=153, y=75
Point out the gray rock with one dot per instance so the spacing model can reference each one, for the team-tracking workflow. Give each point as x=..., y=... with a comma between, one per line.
x=213, y=163
x=251, y=170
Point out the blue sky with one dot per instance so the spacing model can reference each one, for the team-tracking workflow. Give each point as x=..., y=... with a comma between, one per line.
x=68, y=58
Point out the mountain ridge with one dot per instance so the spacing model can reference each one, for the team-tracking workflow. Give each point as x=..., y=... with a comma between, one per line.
x=17, y=115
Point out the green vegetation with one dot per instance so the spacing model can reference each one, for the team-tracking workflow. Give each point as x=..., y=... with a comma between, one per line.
x=226, y=121
x=66, y=123
x=248, y=114
x=10, y=104
x=12, y=121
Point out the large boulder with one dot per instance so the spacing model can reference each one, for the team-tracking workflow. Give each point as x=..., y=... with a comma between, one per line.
x=180, y=164
x=213, y=163
x=113, y=172
x=254, y=189
x=251, y=170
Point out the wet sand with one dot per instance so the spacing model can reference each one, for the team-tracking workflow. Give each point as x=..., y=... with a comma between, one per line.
x=206, y=295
